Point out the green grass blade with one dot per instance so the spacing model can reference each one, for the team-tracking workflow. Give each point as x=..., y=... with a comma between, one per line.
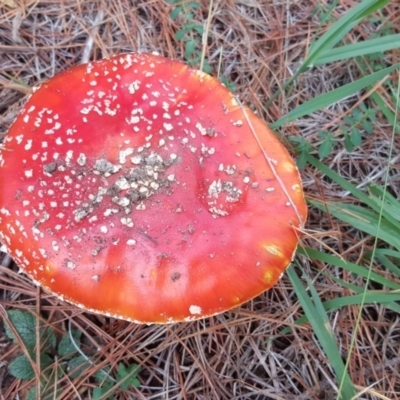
x=380, y=102
x=391, y=206
x=342, y=182
x=363, y=220
x=373, y=297
x=388, y=264
x=333, y=96
x=319, y=321
x=371, y=46
x=348, y=266
x=382, y=255
x=341, y=27
x=333, y=36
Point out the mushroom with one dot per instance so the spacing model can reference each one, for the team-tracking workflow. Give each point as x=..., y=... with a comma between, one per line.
x=138, y=188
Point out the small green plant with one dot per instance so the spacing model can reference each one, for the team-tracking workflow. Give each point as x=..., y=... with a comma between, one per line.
x=124, y=378
x=351, y=130
x=59, y=358
x=191, y=32
x=362, y=119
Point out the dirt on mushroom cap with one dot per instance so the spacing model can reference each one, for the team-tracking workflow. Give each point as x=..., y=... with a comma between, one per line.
x=140, y=191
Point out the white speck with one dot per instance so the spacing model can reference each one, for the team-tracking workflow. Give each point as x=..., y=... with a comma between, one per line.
x=104, y=229
x=28, y=146
x=133, y=86
x=86, y=110
x=93, y=83
x=134, y=119
x=29, y=173
x=141, y=207
x=55, y=246
x=230, y=170
x=215, y=189
x=19, y=138
x=43, y=252
x=195, y=310
x=81, y=159
x=168, y=127
x=270, y=189
x=131, y=242
x=171, y=177
x=122, y=183
x=68, y=157
x=136, y=160
x=70, y=265
x=127, y=221
x=201, y=128
x=123, y=154
x=110, y=211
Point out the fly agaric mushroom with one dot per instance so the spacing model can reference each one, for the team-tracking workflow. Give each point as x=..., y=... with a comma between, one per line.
x=138, y=188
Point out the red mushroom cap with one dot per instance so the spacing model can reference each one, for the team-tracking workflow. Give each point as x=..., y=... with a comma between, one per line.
x=139, y=188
